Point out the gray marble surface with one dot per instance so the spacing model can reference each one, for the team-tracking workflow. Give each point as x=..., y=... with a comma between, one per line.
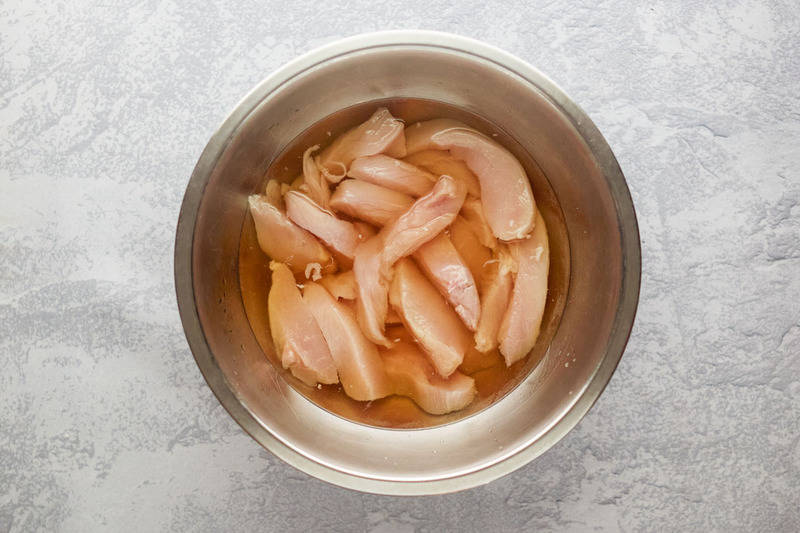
x=106, y=422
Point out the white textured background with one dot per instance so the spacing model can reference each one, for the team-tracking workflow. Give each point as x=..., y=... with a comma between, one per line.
x=107, y=424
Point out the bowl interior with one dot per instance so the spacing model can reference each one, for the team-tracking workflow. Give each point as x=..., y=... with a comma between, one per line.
x=395, y=411
x=578, y=186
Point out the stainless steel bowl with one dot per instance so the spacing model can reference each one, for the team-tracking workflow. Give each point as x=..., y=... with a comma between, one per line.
x=584, y=199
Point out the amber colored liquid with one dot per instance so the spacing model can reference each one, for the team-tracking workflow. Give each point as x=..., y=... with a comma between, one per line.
x=493, y=379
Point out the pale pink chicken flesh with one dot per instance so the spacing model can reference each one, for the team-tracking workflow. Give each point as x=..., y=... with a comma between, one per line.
x=298, y=339
x=474, y=214
x=495, y=295
x=438, y=191
x=342, y=285
x=315, y=183
x=339, y=235
x=520, y=326
x=446, y=269
x=418, y=135
x=439, y=162
x=284, y=241
x=427, y=316
x=474, y=254
x=357, y=360
x=412, y=375
x=393, y=174
x=369, y=202
x=380, y=134
x=505, y=190
x=372, y=290
x=423, y=221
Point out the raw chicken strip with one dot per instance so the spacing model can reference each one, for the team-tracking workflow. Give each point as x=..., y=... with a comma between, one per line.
x=393, y=174
x=341, y=285
x=357, y=360
x=423, y=221
x=427, y=316
x=338, y=234
x=369, y=202
x=372, y=290
x=522, y=320
x=495, y=295
x=439, y=162
x=505, y=190
x=297, y=337
x=448, y=272
x=285, y=242
x=381, y=133
x=315, y=184
x=412, y=375
x=474, y=214
x=418, y=135
x=474, y=254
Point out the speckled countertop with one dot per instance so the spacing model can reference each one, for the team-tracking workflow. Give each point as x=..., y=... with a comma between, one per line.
x=106, y=422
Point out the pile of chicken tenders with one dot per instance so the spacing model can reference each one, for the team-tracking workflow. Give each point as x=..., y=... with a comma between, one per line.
x=398, y=253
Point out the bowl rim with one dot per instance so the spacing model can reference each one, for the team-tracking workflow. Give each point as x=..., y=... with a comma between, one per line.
x=609, y=166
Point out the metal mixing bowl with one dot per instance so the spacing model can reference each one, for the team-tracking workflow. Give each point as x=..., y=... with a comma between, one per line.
x=594, y=284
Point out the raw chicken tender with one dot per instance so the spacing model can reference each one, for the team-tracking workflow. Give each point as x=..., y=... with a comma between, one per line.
x=505, y=190
x=427, y=316
x=380, y=134
x=369, y=202
x=520, y=326
x=339, y=235
x=495, y=295
x=412, y=375
x=393, y=174
x=357, y=360
x=372, y=290
x=296, y=247
x=440, y=261
x=423, y=221
x=297, y=337
x=449, y=258
x=440, y=162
